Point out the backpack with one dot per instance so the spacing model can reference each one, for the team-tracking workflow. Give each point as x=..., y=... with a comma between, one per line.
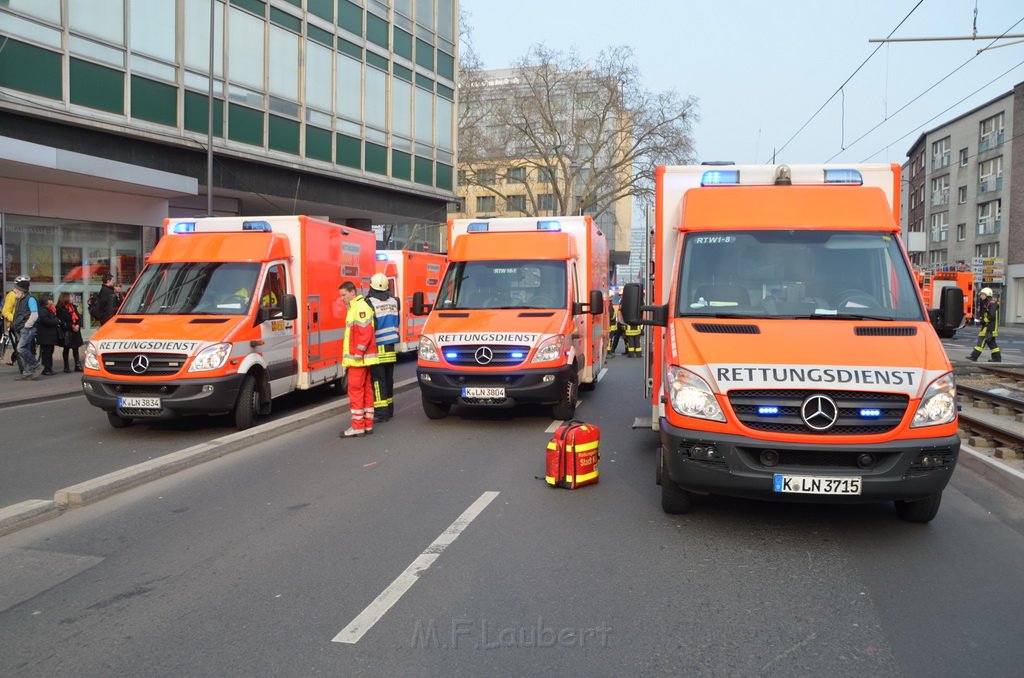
x=94, y=306
x=572, y=455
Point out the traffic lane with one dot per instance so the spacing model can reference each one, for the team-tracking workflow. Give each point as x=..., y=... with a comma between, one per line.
x=254, y=566
x=67, y=441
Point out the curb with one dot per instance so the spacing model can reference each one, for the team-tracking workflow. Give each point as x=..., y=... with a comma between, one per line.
x=34, y=511
x=998, y=474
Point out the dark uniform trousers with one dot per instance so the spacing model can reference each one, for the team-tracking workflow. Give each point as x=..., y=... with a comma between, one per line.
x=383, y=375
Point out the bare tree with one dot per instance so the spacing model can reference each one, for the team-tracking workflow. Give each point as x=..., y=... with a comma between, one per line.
x=591, y=131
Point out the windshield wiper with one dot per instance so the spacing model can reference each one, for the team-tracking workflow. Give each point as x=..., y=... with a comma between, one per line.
x=849, y=316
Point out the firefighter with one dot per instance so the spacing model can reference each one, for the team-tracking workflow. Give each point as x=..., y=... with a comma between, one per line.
x=615, y=326
x=988, y=309
x=632, y=333
x=386, y=310
x=359, y=354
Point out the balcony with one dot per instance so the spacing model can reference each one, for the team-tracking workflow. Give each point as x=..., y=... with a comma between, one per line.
x=991, y=141
x=938, y=162
x=989, y=226
x=990, y=185
x=940, y=199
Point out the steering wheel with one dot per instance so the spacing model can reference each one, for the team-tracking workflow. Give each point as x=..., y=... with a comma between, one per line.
x=859, y=298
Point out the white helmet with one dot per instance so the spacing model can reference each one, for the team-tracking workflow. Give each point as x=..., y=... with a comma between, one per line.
x=987, y=291
x=379, y=282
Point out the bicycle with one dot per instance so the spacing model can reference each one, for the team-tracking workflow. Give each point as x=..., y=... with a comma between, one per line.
x=9, y=339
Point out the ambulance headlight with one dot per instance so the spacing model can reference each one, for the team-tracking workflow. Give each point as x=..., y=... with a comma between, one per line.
x=428, y=351
x=550, y=349
x=691, y=396
x=92, y=357
x=211, y=358
x=938, y=406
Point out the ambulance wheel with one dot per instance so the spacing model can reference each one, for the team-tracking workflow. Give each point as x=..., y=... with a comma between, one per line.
x=674, y=499
x=566, y=407
x=247, y=407
x=920, y=510
x=117, y=421
x=435, y=410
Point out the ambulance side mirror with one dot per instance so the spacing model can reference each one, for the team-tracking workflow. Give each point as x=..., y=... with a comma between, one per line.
x=950, y=313
x=633, y=311
x=418, y=307
x=290, y=307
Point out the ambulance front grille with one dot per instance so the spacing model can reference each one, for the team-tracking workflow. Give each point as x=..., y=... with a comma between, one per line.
x=485, y=355
x=884, y=411
x=141, y=364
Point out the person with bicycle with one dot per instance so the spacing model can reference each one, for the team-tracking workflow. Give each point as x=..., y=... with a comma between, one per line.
x=7, y=323
x=26, y=313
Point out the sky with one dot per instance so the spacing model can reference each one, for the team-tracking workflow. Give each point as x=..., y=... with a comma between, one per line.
x=761, y=69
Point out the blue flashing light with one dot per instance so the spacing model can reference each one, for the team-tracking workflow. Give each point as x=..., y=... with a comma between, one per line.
x=768, y=410
x=518, y=354
x=451, y=355
x=261, y=226
x=844, y=176
x=720, y=178
x=184, y=227
x=549, y=225
x=477, y=227
x=382, y=257
x=871, y=413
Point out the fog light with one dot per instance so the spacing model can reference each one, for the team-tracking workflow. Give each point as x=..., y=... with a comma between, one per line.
x=865, y=460
x=769, y=457
x=207, y=388
x=424, y=377
x=698, y=452
x=548, y=378
x=86, y=386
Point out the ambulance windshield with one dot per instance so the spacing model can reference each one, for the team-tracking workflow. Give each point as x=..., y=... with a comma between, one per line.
x=193, y=288
x=508, y=283
x=796, y=274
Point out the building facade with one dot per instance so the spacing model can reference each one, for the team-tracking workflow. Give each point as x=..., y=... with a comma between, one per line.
x=342, y=109
x=966, y=199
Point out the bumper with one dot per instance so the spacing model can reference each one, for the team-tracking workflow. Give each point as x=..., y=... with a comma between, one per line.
x=736, y=468
x=521, y=386
x=215, y=395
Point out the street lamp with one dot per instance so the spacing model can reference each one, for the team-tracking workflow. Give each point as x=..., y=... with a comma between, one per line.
x=209, y=117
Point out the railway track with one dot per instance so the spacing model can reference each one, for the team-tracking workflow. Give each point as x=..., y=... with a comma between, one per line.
x=1002, y=435
x=1009, y=372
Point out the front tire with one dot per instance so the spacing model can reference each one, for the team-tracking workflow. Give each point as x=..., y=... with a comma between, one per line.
x=674, y=499
x=117, y=421
x=919, y=510
x=247, y=407
x=435, y=410
x=566, y=407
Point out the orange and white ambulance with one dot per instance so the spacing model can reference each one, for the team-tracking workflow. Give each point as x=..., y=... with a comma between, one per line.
x=933, y=282
x=228, y=314
x=411, y=271
x=792, y=357
x=519, y=317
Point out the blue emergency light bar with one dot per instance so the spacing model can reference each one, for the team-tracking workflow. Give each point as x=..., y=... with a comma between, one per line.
x=382, y=257
x=451, y=355
x=844, y=176
x=477, y=227
x=184, y=227
x=871, y=413
x=261, y=226
x=768, y=410
x=549, y=225
x=518, y=354
x=720, y=178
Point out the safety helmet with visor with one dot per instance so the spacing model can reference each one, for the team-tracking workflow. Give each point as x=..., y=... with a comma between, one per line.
x=379, y=282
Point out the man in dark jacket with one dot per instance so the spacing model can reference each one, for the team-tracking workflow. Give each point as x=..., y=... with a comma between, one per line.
x=26, y=314
x=989, y=312
x=106, y=302
x=49, y=332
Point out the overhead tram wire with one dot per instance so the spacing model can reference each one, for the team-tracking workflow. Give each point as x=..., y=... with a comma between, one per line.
x=933, y=86
x=845, y=82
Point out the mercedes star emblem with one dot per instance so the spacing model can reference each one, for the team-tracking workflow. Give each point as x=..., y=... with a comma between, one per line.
x=484, y=355
x=140, y=364
x=819, y=412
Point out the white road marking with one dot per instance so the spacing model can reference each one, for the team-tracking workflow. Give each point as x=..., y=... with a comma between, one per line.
x=553, y=426
x=358, y=627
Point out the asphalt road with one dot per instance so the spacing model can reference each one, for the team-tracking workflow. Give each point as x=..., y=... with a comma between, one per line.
x=254, y=563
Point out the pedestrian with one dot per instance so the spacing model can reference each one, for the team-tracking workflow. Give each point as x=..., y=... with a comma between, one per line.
x=988, y=309
x=386, y=310
x=10, y=301
x=26, y=314
x=359, y=354
x=615, y=326
x=118, y=296
x=71, y=318
x=633, y=333
x=106, y=301
x=49, y=333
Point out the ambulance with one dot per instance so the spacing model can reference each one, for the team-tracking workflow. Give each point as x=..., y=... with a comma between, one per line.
x=933, y=282
x=408, y=272
x=792, y=357
x=519, y=317
x=228, y=314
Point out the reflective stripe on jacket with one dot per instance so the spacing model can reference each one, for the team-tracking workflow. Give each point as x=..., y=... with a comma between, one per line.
x=387, y=320
x=359, y=348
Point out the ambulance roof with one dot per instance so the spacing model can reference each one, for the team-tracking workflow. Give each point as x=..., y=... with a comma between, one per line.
x=549, y=245
x=243, y=246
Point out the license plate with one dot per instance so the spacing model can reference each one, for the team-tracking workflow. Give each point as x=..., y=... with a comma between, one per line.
x=483, y=392
x=138, y=403
x=815, y=484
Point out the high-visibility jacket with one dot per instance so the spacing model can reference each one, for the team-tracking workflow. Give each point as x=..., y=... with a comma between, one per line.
x=989, y=319
x=613, y=320
x=359, y=348
x=386, y=320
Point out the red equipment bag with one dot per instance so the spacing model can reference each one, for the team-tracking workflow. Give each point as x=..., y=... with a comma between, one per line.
x=573, y=455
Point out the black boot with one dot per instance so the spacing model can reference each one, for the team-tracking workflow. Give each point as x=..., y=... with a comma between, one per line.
x=975, y=354
x=66, y=368
x=996, y=358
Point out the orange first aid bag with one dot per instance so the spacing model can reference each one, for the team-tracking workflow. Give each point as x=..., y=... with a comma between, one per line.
x=572, y=455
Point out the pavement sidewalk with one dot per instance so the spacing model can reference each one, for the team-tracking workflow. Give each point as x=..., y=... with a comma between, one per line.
x=40, y=389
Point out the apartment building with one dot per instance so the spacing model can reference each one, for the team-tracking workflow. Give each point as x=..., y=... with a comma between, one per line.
x=964, y=206
x=336, y=108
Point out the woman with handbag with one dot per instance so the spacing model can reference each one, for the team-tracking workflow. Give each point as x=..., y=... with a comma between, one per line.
x=71, y=317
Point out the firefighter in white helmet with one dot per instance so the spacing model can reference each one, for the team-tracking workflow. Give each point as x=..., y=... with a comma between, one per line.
x=988, y=311
x=386, y=312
